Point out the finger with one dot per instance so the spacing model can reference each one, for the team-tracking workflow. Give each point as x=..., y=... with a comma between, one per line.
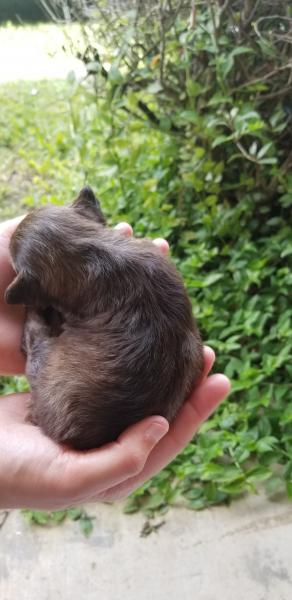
x=125, y=229
x=14, y=407
x=202, y=403
x=162, y=244
x=209, y=359
x=12, y=317
x=12, y=360
x=8, y=227
x=88, y=473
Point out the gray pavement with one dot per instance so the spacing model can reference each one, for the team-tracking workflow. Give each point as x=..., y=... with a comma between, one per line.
x=243, y=552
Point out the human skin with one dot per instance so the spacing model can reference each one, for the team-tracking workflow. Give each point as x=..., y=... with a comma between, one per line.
x=35, y=472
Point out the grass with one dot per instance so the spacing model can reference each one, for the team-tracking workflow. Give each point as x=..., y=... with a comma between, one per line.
x=39, y=162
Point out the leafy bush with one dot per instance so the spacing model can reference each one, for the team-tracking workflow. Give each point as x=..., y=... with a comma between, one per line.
x=183, y=126
x=190, y=137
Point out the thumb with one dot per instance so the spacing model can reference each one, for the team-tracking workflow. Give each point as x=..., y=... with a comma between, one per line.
x=89, y=473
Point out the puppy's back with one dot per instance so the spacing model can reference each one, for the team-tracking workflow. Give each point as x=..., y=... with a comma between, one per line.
x=129, y=346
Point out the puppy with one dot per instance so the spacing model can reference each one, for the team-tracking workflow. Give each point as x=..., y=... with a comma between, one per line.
x=110, y=337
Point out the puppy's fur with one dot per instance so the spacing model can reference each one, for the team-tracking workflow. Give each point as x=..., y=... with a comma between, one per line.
x=109, y=337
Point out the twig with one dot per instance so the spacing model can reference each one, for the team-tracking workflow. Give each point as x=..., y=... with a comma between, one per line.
x=153, y=117
x=249, y=17
x=268, y=18
x=163, y=43
x=149, y=114
x=215, y=28
x=193, y=15
x=224, y=7
x=269, y=75
x=277, y=94
x=245, y=153
x=222, y=11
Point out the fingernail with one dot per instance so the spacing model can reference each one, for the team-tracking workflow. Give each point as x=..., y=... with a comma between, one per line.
x=125, y=229
x=209, y=349
x=157, y=430
x=162, y=245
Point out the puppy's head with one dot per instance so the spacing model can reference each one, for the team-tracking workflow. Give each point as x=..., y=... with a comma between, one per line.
x=45, y=249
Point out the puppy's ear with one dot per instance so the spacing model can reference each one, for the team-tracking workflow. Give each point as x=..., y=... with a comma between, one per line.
x=87, y=205
x=24, y=289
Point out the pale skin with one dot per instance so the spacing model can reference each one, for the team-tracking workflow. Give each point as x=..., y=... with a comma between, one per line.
x=37, y=473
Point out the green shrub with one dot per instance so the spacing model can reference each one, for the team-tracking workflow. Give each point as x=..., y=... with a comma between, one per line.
x=188, y=133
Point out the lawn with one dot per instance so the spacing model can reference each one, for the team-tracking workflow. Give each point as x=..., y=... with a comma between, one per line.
x=38, y=157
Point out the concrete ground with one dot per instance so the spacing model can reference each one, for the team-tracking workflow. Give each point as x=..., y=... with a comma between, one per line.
x=238, y=553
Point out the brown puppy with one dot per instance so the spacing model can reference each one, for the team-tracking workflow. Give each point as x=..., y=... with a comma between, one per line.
x=109, y=337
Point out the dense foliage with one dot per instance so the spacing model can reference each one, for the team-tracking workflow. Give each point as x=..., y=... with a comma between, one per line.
x=183, y=125
x=194, y=117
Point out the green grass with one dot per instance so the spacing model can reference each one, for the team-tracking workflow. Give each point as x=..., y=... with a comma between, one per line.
x=39, y=161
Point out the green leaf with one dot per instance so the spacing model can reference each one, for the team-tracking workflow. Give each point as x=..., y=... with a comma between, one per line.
x=266, y=444
x=258, y=474
x=154, y=501
x=227, y=65
x=264, y=149
x=212, y=278
x=40, y=517
x=115, y=75
x=269, y=161
x=86, y=525
x=154, y=88
x=132, y=505
x=253, y=149
x=221, y=139
x=75, y=513
x=189, y=116
x=289, y=489
x=198, y=504
x=242, y=50
x=58, y=516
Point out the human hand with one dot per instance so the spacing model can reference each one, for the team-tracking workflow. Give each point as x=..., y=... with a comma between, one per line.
x=37, y=473
x=12, y=361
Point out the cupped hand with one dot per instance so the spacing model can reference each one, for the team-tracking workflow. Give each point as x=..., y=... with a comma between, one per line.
x=35, y=472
